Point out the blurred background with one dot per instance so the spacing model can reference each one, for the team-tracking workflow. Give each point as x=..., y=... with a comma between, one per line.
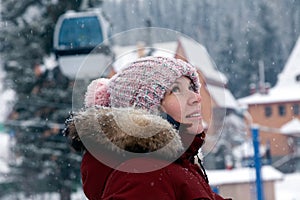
x=253, y=46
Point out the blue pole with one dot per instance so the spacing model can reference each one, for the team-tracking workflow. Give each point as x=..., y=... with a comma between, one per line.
x=257, y=163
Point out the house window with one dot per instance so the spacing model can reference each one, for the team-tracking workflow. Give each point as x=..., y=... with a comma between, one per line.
x=268, y=111
x=281, y=110
x=296, y=109
x=298, y=78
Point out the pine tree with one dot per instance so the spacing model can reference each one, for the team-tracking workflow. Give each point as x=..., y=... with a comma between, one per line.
x=228, y=55
x=270, y=46
x=263, y=45
x=43, y=160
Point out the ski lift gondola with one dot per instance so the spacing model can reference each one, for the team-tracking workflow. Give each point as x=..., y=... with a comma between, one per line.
x=77, y=39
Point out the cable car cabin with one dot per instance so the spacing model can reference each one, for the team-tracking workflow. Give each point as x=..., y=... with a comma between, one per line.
x=77, y=39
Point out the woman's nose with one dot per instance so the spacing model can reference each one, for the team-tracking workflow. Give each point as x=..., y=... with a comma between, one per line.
x=195, y=97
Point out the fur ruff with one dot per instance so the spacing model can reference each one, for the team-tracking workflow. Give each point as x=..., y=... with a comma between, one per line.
x=118, y=129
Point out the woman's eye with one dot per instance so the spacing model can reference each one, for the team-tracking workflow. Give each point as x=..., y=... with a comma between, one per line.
x=175, y=89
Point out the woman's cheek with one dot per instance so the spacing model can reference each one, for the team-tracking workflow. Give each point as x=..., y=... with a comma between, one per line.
x=174, y=110
x=195, y=128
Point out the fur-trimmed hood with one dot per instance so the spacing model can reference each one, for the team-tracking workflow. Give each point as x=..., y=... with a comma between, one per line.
x=119, y=129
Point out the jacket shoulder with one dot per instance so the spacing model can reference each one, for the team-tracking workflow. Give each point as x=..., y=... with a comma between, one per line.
x=139, y=184
x=169, y=182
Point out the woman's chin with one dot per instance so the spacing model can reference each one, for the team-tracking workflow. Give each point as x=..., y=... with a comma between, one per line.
x=196, y=129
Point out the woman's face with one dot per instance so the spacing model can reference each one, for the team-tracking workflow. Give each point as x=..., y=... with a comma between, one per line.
x=183, y=104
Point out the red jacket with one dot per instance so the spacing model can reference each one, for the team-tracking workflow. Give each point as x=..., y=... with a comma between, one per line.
x=105, y=135
x=94, y=175
x=179, y=180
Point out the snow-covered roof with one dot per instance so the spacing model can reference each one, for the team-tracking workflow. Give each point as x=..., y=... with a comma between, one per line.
x=291, y=128
x=128, y=54
x=291, y=69
x=198, y=56
x=222, y=96
x=242, y=175
x=124, y=56
x=247, y=150
x=275, y=95
x=165, y=49
x=287, y=85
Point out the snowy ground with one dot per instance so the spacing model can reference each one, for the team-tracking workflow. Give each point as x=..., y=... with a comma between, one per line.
x=288, y=189
x=49, y=196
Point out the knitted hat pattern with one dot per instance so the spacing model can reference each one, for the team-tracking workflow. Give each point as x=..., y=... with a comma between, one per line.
x=144, y=82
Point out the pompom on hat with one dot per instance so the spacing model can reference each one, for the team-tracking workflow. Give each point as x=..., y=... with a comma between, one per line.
x=97, y=93
x=142, y=84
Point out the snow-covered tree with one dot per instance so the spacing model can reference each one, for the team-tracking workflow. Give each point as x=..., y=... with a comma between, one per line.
x=42, y=160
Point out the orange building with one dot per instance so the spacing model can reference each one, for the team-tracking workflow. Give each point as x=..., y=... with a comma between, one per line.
x=279, y=107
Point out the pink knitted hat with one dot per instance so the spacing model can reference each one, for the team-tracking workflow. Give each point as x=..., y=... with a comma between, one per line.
x=142, y=84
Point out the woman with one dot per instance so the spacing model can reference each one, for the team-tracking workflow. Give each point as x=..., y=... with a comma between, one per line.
x=141, y=132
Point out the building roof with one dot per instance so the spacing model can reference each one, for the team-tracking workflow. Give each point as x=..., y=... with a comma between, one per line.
x=222, y=96
x=291, y=69
x=291, y=128
x=246, y=150
x=242, y=175
x=287, y=85
x=275, y=95
x=128, y=54
x=198, y=56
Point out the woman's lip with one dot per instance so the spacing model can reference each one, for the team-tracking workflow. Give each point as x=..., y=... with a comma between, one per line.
x=195, y=114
